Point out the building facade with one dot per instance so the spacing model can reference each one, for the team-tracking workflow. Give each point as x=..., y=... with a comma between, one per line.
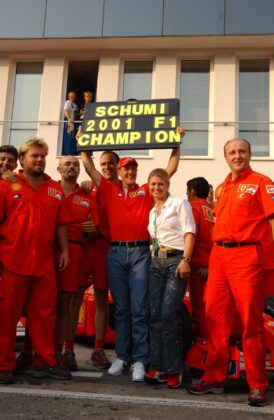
x=216, y=56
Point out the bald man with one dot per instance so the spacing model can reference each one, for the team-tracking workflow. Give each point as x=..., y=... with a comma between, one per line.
x=244, y=209
x=83, y=214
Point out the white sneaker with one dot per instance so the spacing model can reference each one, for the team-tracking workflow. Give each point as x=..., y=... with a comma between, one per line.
x=138, y=372
x=117, y=367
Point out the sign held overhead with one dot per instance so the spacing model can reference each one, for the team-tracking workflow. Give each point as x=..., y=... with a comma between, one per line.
x=148, y=124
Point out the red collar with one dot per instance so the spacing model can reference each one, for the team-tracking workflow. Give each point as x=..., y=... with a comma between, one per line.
x=21, y=176
x=242, y=175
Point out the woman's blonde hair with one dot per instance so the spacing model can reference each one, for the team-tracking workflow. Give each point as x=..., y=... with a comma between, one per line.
x=88, y=92
x=161, y=173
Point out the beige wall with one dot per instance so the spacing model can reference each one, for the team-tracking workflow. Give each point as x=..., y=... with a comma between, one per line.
x=4, y=95
x=223, y=104
x=51, y=108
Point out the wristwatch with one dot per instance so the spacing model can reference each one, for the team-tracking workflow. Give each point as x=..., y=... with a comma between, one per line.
x=187, y=259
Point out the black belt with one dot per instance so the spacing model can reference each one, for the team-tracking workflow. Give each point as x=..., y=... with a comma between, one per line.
x=168, y=253
x=173, y=253
x=130, y=244
x=72, y=241
x=234, y=244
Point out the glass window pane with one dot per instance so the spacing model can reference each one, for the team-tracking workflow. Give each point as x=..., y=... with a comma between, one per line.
x=137, y=85
x=137, y=80
x=18, y=137
x=254, y=104
x=26, y=99
x=194, y=106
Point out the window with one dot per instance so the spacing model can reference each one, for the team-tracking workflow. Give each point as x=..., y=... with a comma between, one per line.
x=26, y=101
x=254, y=105
x=194, y=106
x=82, y=77
x=137, y=85
x=137, y=80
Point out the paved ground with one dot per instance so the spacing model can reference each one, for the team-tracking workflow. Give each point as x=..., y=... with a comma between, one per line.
x=96, y=395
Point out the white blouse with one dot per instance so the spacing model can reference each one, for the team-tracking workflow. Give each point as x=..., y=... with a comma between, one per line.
x=176, y=219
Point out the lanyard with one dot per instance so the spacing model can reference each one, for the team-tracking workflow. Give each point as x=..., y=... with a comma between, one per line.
x=155, y=223
x=155, y=243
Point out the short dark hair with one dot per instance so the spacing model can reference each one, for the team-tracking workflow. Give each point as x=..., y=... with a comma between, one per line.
x=8, y=148
x=113, y=154
x=200, y=185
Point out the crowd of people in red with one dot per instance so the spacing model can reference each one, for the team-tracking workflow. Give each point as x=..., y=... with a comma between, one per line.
x=147, y=247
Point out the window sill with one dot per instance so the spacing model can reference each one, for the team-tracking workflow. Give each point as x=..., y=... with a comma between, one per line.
x=196, y=158
x=266, y=158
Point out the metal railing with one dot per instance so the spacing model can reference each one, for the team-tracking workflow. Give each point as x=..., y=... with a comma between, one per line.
x=57, y=122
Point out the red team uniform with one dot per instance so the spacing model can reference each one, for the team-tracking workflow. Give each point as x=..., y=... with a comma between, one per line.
x=128, y=216
x=204, y=220
x=268, y=255
x=236, y=274
x=29, y=220
x=95, y=252
x=81, y=206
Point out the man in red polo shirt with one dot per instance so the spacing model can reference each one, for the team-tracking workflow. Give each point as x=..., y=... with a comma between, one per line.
x=83, y=219
x=31, y=214
x=197, y=193
x=128, y=207
x=97, y=267
x=243, y=211
x=95, y=263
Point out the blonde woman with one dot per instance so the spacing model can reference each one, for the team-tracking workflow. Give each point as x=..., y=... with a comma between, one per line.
x=172, y=229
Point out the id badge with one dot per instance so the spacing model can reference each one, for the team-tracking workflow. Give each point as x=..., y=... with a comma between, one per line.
x=155, y=246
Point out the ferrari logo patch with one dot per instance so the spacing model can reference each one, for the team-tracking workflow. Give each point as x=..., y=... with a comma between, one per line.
x=208, y=214
x=76, y=199
x=247, y=189
x=81, y=201
x=133, y=194
x=16, y=186
x=242, y=188
x=52, y=192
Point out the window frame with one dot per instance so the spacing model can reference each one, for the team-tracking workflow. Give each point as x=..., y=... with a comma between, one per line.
x=270, y=108
x=12, y=85
x=210, y=150
x=150, y=154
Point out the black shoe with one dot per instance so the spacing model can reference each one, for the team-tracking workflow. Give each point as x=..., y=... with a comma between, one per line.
x=53, y=372
x=23, y=362
x=69, y=361
x=6, y=377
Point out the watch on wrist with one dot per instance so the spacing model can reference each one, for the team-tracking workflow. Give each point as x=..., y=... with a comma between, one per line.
x=187, y=259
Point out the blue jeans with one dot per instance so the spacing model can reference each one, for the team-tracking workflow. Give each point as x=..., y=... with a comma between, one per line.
x=128, y=280
x=69, y=142
x=166, y=292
